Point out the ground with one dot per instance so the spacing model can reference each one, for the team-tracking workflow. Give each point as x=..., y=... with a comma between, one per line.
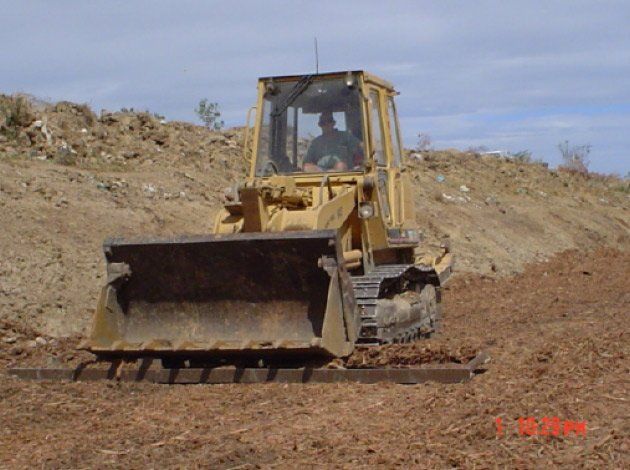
x=540, y=284
x=557, y=335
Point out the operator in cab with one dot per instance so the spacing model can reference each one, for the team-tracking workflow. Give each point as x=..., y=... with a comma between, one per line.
x=334, y=150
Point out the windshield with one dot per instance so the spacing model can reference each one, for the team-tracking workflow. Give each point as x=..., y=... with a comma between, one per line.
x=310, y=126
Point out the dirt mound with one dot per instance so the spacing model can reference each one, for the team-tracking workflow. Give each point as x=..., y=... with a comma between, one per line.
x=501, y=213
x=73, y=135
x=411, y=354
x=557, y=334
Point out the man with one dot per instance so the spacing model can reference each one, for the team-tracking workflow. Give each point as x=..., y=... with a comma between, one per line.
x=334, y=150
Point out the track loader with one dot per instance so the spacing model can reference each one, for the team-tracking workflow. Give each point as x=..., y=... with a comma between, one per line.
x=317, y=251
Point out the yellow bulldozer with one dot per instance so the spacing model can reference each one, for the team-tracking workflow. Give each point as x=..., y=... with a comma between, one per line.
x=315, y=252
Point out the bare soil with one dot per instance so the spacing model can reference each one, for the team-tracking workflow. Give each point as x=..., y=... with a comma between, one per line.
x=557, y=334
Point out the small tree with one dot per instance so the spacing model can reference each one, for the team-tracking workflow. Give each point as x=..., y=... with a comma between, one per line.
x=575, y=157
x=209, y=114
x=424, y=142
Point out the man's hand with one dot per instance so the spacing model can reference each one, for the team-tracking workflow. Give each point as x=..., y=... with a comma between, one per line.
x=311, y=168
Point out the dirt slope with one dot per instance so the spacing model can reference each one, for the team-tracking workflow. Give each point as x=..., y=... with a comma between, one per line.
x=68, y=179
x=500, y=214
x=557, y=334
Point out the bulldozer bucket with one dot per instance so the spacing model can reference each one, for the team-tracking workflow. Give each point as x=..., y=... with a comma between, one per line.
x=218, y=296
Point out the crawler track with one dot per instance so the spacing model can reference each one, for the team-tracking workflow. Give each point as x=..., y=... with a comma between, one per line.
x=387, y=281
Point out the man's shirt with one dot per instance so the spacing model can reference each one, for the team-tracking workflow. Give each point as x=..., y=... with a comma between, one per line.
x=338, y=146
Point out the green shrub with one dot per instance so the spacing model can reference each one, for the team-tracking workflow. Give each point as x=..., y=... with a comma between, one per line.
x=209, y=114
x=15, y=114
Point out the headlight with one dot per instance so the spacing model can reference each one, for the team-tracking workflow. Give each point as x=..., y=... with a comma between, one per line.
x=366, y=210
x=350, y=82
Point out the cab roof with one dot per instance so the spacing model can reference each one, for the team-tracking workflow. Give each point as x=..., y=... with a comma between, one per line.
x=368, y=77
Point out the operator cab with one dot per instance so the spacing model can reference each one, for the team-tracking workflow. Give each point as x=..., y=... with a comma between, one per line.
x=310, y=124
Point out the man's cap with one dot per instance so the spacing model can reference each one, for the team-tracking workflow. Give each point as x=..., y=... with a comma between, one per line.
x=326, y=117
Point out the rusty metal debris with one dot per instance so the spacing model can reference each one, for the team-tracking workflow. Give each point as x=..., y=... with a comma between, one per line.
x=442, y=373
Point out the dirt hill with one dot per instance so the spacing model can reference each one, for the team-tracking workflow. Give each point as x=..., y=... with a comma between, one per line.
x=69, y=178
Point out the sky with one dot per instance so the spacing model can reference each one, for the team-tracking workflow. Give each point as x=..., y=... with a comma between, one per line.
x=506, y=75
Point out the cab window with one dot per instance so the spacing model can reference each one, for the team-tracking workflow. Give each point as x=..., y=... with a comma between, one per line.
x=394, y=132
x=377, y=128
x=310, y=125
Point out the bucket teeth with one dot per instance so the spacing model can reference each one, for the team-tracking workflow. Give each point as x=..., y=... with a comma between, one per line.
x=186, y=345
x=156, y=345
x=120, y=345
x=163, y=345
